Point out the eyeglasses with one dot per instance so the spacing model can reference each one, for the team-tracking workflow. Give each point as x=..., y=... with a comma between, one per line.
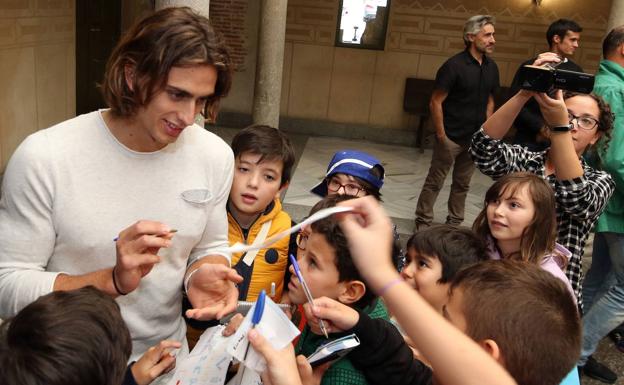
x=584, y=122
x=334, y=185
x=302, y=240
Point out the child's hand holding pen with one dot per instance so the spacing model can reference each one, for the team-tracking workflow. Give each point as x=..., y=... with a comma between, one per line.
x=137, y=247
x=336, y=316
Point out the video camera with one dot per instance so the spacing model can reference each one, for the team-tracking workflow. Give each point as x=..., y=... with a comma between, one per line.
x=546, y=78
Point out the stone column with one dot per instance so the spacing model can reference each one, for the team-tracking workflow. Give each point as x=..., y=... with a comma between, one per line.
x=200, y=6
x=616, y=16
x=270, y=60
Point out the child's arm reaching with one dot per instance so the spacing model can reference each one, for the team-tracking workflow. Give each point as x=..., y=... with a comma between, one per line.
x=156, y=361
x=456, y=358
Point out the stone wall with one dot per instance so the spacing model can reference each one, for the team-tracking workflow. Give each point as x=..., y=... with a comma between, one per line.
x=37, y=68
x=365, y=87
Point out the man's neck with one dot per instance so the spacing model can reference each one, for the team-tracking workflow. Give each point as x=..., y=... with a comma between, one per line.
x=476, y=54
x=619, y=60
x=556, y=50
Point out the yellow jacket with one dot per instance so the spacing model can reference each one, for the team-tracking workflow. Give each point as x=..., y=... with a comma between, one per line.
x=269, y=265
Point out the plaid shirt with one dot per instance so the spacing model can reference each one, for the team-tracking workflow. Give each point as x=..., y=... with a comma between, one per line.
x=579, y=201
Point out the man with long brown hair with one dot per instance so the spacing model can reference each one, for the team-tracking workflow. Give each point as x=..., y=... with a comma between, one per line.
x=70, y=189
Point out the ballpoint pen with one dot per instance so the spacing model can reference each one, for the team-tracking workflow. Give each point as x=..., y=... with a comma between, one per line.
x=255, y=320
x=306, y=290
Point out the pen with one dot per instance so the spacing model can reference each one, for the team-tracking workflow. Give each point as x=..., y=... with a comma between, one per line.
x=255, y=320
x=306, y=290
x=170, y=232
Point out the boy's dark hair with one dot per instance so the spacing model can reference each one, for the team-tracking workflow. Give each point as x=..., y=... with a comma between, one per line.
x=528, y=312
x=612, y=41
x=270, y=143
x=330, y=229
x=560, y=28
x=66, y=338
x=455, y=248
x=170, y=37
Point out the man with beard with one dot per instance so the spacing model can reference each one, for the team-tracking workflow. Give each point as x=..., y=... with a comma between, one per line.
x=461, y=101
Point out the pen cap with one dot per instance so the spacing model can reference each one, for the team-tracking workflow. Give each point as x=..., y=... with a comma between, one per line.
x=259, y=309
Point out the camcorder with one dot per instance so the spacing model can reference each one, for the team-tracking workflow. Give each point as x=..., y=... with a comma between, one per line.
x=547, y=78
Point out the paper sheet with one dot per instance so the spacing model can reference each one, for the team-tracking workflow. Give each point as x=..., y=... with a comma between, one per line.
x=274, y=326
x=324, y=213
x=207, y=363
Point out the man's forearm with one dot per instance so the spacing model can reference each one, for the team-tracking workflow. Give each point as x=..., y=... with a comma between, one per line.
x=437, y=116
x=101, y=279
x=213, y=258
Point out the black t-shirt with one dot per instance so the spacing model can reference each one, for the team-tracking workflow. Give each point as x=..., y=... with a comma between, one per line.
x=529, y=121
x=468, y=84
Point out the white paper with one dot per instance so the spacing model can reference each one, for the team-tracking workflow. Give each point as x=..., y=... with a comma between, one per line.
x=324, y=213
x=274, y=326
x=207, y=363
x=248, y=377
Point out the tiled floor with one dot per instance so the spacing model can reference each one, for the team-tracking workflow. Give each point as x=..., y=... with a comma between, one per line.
x=406, y=169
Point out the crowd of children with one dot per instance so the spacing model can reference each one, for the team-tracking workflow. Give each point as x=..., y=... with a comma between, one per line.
x=496, y=304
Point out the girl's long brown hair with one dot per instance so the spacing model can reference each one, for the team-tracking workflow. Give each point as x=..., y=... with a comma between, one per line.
x=538, y=238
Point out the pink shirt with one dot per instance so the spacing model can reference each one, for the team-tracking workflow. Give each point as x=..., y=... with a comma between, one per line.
x=553, y=263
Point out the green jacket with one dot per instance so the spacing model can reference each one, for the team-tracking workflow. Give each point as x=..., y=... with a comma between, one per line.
x=610, y=85
x=342, y=371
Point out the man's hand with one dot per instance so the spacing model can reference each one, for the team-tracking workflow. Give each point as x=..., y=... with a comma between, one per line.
x=212, y=291
x=440, y=136
x=547, y=58
x=137, y=248
x=156, y=361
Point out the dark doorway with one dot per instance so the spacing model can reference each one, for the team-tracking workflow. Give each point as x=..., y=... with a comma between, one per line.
x=98, y=27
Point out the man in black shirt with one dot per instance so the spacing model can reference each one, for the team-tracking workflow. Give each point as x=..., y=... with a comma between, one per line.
x=563, y=38
x=461, y=101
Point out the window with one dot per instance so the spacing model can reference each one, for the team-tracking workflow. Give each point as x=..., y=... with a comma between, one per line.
x=362, y=23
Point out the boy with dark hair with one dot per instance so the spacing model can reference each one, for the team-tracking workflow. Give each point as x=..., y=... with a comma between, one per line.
x=522, y=315
x=435, y=255
x=73, y=338
x=263, y=158
x=328, y=269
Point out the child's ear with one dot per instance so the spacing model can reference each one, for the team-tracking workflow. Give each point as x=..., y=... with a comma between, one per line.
x=281, y=189
x=351, y=292
x=491, y=347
